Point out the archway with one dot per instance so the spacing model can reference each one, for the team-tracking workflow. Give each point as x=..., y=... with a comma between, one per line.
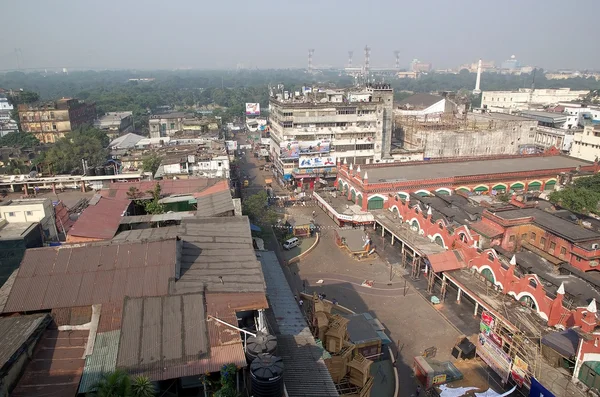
x=415, y=224
x=499, y=187
x=402, y=195
x=353, y=195
x=443, y=191
x=423, y=193
x=375, y=203
x=534, y=186
x=463, y=189
x=481, y=189
x=359, y=199
x=517, y=186
x=549, y=185
x=438, y=240
x=395, y=212
x=488, y=275
x=527, y=300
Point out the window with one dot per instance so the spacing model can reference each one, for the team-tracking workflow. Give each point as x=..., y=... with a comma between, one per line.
x=172, y=126
x=578, y=259
x=11, y=214
x=533, y=236
x=219, y=164
x=524, y=236
x=563, y=250
x=543, y=241
x=52, y=115
x=512, y=239
x=54, y=127
x=29, y=213
x=288, y=124
x=553, y=246
x=288, y=114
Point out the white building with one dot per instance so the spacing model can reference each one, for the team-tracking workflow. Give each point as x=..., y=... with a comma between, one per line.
x=196, y=165
x=547, y=137
x=7, y=124
x=586, y=144
x=31, y=210
x=115, y=123
x=311, y=131
x=526, y=98
x=579, y=114
x=424, y=107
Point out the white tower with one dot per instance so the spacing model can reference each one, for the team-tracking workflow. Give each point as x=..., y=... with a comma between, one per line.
x=477, y=89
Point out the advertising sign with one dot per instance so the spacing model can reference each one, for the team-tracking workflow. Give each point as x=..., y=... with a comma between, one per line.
x=289, y=150
x=316, y=162
x=252, y=109
x=519, y=371
x=494, y=356
x=231, y=146
x=313, y=147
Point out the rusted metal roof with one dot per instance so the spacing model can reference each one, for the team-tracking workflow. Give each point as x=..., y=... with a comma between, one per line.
x=15, y=332
x=56, y=365
x=118, y=190
x=82, y=275
x=159, y=333
x=101, y=220
x=110, y=316
x=214, y=204
x=446, y=261
x=72, y=315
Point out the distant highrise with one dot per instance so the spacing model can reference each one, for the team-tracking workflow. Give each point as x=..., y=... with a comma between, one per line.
x=418, y=66
x=511, y=64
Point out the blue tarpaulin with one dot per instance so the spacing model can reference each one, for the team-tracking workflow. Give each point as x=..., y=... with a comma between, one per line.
x=537, y=390
x=255, y=228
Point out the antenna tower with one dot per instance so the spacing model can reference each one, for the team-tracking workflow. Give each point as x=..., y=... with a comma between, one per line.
x=367, y=61
x=397, y=55
x=310, y=57
x=350, y=54
x=19, y=57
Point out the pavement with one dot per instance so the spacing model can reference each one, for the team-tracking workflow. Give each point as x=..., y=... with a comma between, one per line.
x=305, y=244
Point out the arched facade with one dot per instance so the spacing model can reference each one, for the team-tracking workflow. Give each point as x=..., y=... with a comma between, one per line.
x=444, y=190
x=423, y=192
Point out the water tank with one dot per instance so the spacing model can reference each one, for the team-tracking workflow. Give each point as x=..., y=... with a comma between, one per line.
x=110, y=170
x=100, y=171
x=259, y=344
x=90, y=171
x=266, y=372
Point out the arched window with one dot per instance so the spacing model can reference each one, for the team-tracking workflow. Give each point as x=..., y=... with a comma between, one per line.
x=527, y=301
x=490, y=257
x=438, y=240
x=488, y=275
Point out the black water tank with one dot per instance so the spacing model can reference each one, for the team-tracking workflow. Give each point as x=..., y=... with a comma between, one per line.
x=109, y=169
x=259, y=344
x=267, y=376
x=90, y=171
x=100, y=171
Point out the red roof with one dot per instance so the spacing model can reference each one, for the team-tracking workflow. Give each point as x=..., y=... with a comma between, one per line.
x=83, y=275
x=101, y=220
x=118, y=190
x=446, y=261
x=486, y=229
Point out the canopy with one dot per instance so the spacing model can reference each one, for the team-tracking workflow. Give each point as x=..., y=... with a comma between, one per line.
x=255, y=228
x=517, y=186
x=481, y=189
x=565, y=342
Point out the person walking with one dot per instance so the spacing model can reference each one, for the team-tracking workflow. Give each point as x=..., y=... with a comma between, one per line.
x=300, y=303
x=314, y=213
x=418, y=390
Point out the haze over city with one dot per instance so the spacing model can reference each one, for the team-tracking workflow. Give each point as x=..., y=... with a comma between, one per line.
x=274, y=34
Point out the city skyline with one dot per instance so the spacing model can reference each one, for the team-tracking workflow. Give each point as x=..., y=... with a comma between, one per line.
x=114, y=35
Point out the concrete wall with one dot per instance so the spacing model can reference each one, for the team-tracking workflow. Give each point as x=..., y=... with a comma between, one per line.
x=22, y=211
x=586, y=145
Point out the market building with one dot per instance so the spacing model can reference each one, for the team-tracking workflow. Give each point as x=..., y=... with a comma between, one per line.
x=313, y=129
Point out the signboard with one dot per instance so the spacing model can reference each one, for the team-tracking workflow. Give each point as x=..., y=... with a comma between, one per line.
x=519, y=371
x=494, y=356
x=252, y=109
x=439, y=379
x=231, y=146
x=289, y=150
x=313, y=147
x=316, y=162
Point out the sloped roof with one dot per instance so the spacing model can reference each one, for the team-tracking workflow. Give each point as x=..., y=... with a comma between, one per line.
x=82, y=275
x=15, y=331
x=419, y=101
x=125, y=141
x=103, y=360
x=101, y=220
x=447, y=261
x=118, y=190
x=214, y=204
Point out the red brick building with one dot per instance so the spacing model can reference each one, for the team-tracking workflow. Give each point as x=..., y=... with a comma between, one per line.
x=369, y=186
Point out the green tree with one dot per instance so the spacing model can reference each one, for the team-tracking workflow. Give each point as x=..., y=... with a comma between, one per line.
x=581, y=200
x=85, y=143
x=142, y=387
x=151, y=163
x=19, y=139
x=257, y=209
x=113, y=384
x=154, y=206
x=591, y=183
x=228, y=379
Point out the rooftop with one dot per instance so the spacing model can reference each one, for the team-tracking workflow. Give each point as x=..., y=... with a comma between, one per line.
x=418, y=102
x=101, y=219
x=214, y=204
x=544, y=116
x=126, y=141
x=16, y=230
x=119, y=190
x=424, y=171
x=82, y=275
x=31, y=201
x=15, y=332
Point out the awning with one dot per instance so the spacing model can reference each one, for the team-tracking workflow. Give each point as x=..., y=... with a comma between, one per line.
x=255, y=228
x=178, y=199
x=517, y=186
x=565, y=342
x=446, y=261
x=481, y=189
x=534, y=186
x=499, y=187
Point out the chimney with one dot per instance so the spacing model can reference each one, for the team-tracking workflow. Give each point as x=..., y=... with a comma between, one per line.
x=477, y=89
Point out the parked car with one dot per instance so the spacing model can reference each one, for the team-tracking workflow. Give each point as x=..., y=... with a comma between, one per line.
x=291, y=243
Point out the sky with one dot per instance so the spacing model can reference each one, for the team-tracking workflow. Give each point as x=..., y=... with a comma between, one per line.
x=208, y=34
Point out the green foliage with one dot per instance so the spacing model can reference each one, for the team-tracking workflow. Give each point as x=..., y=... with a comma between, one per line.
x=576, y=199
x=591, y=183
x=21, y=97
x=84, y=143
x=142, y=387
x=19, y=139
x=151, y=163
x=113, y=384
x=504, y=197
x=256, y=208
x=228, y=380
x=154, y=206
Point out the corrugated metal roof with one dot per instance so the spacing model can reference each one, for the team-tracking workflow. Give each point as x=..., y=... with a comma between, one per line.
x=71, y=315
x=102, y=360
x=100, y=221
x=305, y=371
x=110, y=317
x=218, y=256
x=194, y=186
x=172, y=216
x=56, y=365
x=83, y=275
x=446, y=261
x=15, y=331
x=214, y=204
x=163, y=332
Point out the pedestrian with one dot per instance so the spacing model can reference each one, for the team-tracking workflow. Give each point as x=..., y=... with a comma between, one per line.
x=314, y=214
x=300, y=303
x=418, y=390
x=334, y=301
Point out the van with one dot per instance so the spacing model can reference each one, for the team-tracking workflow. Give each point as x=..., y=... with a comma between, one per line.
x=291, y=243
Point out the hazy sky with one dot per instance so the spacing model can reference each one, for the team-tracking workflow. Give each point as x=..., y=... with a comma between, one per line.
x=170, y=34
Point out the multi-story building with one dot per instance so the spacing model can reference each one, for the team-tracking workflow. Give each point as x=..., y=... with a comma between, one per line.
x=7, y=124
x=115, y=123
x=527, y=98
x=418, y=66
x=586, y=144
x=578, y=113
x=547, y=137
x=50, y=121
x=311, y=130
x=167, y=124
x=31, y=210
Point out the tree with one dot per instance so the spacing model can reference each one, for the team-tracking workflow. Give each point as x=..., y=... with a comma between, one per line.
x=113, y=384
x=154, y=206
x=151, y=163
x=134, y=193
x=142, y=387
x=84, y=143
x=228, y=379
x=257, y=209
x=576, y=199
x=19, y=139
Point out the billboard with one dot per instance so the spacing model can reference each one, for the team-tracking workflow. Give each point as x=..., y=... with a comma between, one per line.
x=289, y=150
x=231, y=146
x=316, y=162
x=252, y=109
x=313, y=147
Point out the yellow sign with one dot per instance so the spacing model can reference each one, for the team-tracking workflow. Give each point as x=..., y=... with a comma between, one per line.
x=439, y=379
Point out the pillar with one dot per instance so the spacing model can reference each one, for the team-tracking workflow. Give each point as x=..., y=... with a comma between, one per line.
x=476, y=308
x=392, y=238
x=53, y=187
x=83, y=186
x=458, y=295
x=25, y=190
x=382, y=231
